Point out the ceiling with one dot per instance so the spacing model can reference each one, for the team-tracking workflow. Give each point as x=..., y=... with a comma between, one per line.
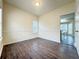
x=45, y=5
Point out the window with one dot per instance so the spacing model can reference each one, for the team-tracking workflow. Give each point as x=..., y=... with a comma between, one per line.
x=35, y=26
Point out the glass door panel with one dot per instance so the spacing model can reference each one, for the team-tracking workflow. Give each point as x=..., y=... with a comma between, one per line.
x=67, y=30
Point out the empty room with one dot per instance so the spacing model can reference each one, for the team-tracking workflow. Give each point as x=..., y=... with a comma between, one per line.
x=39, y=29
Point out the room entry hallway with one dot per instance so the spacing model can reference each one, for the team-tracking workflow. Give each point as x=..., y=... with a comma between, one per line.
x=38, y=48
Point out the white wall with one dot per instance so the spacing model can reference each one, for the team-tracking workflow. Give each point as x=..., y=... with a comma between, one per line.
x=17, y=24
x=49, y=24
x=77, y=26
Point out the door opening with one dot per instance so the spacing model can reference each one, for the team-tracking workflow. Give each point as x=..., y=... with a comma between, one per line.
x=67, y=29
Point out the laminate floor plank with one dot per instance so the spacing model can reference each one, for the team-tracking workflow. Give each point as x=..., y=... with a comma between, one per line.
x=38, y=48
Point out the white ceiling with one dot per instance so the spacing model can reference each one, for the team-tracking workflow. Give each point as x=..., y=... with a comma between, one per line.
x=45, y=5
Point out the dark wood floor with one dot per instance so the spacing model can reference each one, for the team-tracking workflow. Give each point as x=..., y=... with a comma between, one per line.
x=38, y=49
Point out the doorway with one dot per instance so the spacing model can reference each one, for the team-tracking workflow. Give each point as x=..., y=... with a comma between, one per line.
x=67, y=35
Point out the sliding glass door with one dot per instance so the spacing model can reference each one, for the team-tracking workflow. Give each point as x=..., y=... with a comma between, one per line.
x=67, y=29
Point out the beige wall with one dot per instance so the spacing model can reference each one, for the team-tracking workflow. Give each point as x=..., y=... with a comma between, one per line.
x=17, y=24
x=49, y=24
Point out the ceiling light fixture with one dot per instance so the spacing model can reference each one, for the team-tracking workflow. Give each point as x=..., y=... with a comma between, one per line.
x=37, y=4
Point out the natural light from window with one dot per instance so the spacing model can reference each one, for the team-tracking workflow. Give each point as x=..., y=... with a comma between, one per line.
x=35, y=26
